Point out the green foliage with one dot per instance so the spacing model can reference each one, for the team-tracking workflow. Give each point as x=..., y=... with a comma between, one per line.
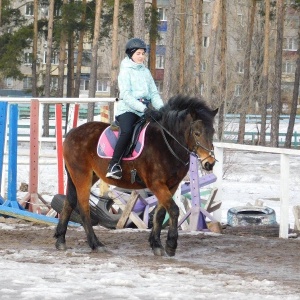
x=125, y=18
x=12, y=46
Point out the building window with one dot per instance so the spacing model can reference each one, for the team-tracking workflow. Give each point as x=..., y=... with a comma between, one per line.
x=102, y=85
x=27, y=83
x=9, y=82
x=241, y=19
x=288, y=67
x=160, y=62
x=205, y=19
x=238, y=90
x=290, y=44
x=239, y=44
x=240, y=67
x=54, y=58
x=54, y=84
x=87, y=58
x=162, y=14
x=202, y=89
x=203, y=67
x=159, y=86
x=84, y=84
x=27, y=58
x=29, y=9
x=205, y=41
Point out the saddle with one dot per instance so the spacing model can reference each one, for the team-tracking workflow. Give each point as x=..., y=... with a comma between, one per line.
x=109, y=137
x=137, y=128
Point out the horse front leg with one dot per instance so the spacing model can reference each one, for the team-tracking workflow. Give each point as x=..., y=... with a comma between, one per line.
x=154, y=238
x=171, y=243
x=166, y=203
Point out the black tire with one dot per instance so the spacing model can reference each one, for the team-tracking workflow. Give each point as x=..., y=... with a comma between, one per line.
x=57, y=204
x=102, y=212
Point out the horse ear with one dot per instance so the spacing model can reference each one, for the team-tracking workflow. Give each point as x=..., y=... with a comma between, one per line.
x=214, y=112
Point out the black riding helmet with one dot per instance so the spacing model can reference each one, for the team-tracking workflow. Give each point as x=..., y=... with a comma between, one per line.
x=133, y=45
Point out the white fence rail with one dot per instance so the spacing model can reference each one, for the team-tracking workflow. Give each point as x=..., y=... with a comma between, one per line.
x=284, y=175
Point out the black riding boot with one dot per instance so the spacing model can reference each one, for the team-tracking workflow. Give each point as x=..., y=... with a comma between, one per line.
x=126, y=122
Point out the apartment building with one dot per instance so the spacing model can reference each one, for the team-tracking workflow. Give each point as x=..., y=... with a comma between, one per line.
x=237, y=18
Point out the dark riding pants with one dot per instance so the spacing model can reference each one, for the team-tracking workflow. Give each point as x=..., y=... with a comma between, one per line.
x=126, y=122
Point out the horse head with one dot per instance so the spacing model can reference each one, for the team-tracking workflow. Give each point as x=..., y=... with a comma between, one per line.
x=200, y=132
x=197, y=119
x=201, y=141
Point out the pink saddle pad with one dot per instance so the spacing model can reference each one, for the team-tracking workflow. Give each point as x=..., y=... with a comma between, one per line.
x=108, y=140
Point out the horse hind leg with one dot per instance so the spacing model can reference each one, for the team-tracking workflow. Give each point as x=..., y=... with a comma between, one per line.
x=83, y=193
x=92, y=239
x=69, y=205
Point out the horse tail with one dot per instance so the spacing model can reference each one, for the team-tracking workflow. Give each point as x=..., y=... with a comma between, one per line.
x=71, y=191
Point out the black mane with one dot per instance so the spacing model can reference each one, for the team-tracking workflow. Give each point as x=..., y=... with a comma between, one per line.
x=174, y=112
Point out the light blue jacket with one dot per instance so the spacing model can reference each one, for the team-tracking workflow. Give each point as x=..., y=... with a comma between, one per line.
x=135, y=82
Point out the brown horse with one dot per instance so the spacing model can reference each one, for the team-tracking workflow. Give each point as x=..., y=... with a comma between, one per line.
x=185, y=127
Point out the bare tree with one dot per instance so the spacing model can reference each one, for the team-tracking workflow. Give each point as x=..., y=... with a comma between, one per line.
x=80, y=50
x=222, y=103
x=265, y=76
x=93, y=72
x=276, y=101
x=246, y=79
x=197, y=33
x=34, y=48
x=213, y=46
x=289, y=134
x=114, y=51
x=62, y=55
x=153, y=37
x=169, y=51
x=139, y=19
x=182, y=45
x=0, y=13
x=48, y=67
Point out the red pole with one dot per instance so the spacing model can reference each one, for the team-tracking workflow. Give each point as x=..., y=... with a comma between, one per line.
x=59, y=147
x=76, y=114
x=32, y=196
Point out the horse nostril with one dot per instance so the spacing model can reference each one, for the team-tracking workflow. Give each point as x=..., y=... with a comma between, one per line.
x=208, y=166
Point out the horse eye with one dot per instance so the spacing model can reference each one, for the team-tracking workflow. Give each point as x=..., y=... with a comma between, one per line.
x=197, y=133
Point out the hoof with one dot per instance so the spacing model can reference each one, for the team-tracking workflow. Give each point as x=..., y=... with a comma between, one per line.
x=100, y=249
x=61, y=246
x=159, y=251
x=170, y=251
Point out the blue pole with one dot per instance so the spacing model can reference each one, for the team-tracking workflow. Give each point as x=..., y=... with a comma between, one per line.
x=3, y=114
x=12, y=158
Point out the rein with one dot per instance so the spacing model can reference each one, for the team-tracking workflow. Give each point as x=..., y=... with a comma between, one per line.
x=162, y=128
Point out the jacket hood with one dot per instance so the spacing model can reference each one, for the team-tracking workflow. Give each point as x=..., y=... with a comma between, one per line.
x=129, y=63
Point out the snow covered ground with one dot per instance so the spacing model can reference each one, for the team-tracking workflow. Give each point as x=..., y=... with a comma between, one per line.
x=248, y=177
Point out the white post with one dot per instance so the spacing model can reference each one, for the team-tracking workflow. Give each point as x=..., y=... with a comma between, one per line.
x=218, y=171
x=284, y=196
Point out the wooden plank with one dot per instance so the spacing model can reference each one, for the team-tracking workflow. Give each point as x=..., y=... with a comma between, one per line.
x=29, y=216
x=210, y=199
x=127, y=210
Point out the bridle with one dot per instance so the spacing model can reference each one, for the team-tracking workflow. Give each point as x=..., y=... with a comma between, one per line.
x=193, y=152
x=211, y=152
